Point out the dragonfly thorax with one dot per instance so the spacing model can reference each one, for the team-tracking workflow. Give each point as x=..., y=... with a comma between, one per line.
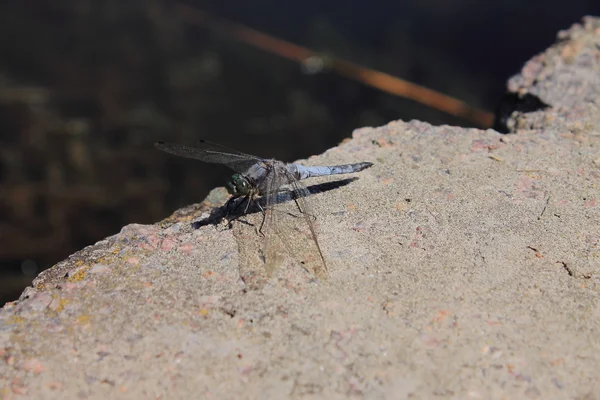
x=239, y=185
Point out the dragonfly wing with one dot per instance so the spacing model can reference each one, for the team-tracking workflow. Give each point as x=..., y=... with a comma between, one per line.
x=273, y=247
x=210, y=153
x=219, y=148
x=289, y=227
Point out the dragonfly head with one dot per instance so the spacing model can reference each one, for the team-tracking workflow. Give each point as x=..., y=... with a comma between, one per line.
x=238, y=185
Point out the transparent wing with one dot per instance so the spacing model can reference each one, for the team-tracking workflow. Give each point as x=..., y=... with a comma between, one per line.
x=211, y=153
x=289, y=227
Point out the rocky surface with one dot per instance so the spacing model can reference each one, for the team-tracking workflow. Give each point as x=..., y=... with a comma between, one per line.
x=463, y=264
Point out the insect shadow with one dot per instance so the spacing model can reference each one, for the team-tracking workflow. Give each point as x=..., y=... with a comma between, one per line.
x=237, y=207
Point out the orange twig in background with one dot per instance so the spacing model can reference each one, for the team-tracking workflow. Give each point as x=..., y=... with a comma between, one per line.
x=380, y=80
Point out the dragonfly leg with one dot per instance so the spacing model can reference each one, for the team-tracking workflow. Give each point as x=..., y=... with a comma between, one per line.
x=262, y=223
x=295, y=197
x=248, y=204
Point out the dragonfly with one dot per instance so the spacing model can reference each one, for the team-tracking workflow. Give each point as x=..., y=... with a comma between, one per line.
x=276, y=184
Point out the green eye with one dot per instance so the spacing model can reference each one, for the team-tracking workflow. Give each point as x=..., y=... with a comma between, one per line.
x=238, y=185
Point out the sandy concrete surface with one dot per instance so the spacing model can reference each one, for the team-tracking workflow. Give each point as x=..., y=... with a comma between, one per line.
x=463, y=264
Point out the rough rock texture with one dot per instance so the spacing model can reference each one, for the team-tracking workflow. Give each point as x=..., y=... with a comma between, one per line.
x=463, y=264
x=559, y=90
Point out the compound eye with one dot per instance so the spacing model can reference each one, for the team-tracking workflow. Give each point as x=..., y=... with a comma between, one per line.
x=240, y=185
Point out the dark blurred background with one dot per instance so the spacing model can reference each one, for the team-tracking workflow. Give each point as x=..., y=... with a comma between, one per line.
x=87, y=86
